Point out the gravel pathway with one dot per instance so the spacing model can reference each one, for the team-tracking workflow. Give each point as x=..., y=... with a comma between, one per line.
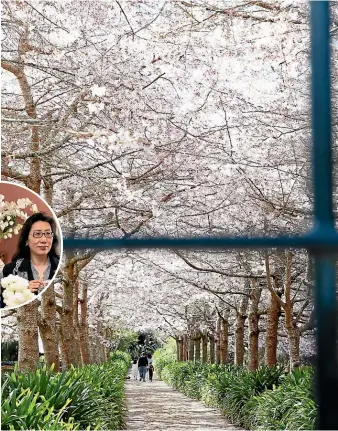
x=156, y=406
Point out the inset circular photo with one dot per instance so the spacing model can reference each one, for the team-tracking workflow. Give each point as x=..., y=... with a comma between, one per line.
x=30, y=245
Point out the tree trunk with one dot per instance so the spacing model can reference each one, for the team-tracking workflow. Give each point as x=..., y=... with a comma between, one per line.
x=62, y=349
x=240, y=322
x=178, y=348
x=291, y=325
x=218, y=341
x=93, y=348
x=28, y=336
x=71, y=346
x=47, y=327
x=271, y=332
x=224, y=338
x=185, y=348
x=239, y=339
x=253, y=356
x=106, y=348
x=197, y=349
x=294, y=337
x=182, y=349
x=212, y=349
x=83, y=326
x=191, y=349
x=102, y=353
x=274, y=309
x=76, y=347
x=205, y=348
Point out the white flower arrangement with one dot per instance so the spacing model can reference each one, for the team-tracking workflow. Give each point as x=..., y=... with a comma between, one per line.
x=16, y=291
x=9, y=212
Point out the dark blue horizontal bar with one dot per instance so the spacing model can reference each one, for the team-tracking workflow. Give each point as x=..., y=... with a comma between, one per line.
x=320, y=239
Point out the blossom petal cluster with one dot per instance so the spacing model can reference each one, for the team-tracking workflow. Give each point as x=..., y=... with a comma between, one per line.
x=98, y=91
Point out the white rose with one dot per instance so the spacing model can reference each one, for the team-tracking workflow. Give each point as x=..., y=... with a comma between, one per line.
x=11, y=287
x=6, y=281
x=15, y=283
x=20, y=297
x=7, y=294
x=20, y=287
x=20, y=284
x=10, y=303
x=28, y=295
x=15, y=300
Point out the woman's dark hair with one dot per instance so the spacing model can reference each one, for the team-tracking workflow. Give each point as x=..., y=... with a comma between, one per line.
x=149, y=356
x=23, y=249
x=135, y=361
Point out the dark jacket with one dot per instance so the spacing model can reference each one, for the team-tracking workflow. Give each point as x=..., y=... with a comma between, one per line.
x=24, y=270
x=143, y=361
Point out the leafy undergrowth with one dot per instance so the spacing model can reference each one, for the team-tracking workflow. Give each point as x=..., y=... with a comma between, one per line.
x=91, y=397
x=263, y=399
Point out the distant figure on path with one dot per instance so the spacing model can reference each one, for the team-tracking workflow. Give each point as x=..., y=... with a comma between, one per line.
x=142, y=367
x=134, y=369
x=151, y=372
x=150, y=367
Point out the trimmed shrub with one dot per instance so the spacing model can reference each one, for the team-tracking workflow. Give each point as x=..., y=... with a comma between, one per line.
x=91, y=397
x=289, y=406
x=263, y=399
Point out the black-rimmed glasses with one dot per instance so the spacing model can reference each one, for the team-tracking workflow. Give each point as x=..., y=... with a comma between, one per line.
x=39, y=234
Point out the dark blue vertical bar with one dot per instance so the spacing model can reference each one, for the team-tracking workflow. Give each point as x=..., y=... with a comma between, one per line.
x=321, y=112
x=326, y=371
x=325, y=294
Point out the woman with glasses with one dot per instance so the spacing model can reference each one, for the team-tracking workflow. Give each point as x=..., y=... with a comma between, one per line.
x=36, y=258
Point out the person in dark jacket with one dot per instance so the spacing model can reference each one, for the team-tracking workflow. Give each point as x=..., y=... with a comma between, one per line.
x=36, y=258
x=142, y=367
x=151, y=372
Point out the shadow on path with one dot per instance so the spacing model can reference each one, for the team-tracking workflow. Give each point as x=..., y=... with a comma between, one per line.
x=157, y=406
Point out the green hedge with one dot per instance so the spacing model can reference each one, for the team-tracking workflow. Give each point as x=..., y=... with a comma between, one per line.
x=263, y=399
x=90, y=397
x=164, y=356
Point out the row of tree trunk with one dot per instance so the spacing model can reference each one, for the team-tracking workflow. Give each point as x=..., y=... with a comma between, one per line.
x=64, y=331
x=213, y=345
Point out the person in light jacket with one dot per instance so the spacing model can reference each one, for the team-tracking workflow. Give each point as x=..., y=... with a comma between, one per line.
x=134, y=369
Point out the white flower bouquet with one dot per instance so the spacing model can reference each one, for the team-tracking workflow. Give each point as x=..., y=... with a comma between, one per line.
x=10, y=212
x=16, y=291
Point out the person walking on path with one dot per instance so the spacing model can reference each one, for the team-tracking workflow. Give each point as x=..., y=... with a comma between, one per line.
x=134, y=369
x=151, y=372
x=142, y=367
x=150, y=367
